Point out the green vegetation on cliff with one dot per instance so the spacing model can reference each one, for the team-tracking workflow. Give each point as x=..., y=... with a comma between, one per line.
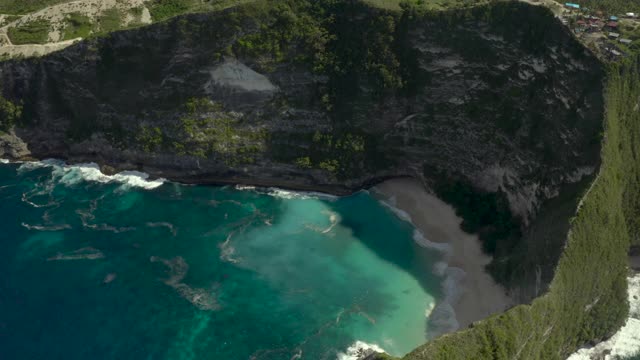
x=34, y=32
x=165, y=9
x=26, y=6
x=78, y=26
x=587, y=298
x=10, y=114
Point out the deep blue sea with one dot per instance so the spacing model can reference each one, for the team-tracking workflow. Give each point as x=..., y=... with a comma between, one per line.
x=99, y=267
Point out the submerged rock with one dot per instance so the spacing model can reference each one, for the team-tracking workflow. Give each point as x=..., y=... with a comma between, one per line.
x=109, y=278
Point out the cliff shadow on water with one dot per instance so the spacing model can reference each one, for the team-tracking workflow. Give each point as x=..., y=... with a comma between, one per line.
x=497, y=108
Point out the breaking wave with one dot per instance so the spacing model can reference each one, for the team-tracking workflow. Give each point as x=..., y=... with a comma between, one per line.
x=71, y=175
x=287, y=194
x=359, y=350
x=421, y=240
x=4, y=161
x=334, y=219
x=390, y=204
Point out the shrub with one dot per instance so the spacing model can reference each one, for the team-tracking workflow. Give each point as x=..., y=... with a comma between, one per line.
x=110, y=20
x=34, y=32
x=164, y=9
x=78, y=26
x=10, y=114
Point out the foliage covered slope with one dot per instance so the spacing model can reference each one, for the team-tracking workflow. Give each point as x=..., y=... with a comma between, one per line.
x=587, y=298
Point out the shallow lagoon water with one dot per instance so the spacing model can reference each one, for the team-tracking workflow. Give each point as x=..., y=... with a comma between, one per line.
x=118, y=267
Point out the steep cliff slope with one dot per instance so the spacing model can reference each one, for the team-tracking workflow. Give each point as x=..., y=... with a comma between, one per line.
x=587, y=298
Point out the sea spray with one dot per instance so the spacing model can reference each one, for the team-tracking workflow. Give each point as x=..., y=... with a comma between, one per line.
x=287, y=194
x=71, y=175
x=359, y=350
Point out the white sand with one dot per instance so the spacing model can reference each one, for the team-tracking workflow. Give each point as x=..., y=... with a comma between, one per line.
x=480, y=296
x=624, y=343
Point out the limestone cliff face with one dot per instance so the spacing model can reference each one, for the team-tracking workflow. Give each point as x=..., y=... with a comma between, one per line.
x=502, y=99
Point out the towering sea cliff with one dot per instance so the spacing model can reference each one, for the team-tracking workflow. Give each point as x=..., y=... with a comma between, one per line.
x=496, y=108
x=497, y=103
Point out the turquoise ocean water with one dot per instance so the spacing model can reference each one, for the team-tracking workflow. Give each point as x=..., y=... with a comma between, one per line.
x=97, y=267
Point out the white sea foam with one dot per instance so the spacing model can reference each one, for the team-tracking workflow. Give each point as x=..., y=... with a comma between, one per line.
x=162, y=224
x=203, y=299
x=72, y=175
x=450, y=288
x=47, y=227
x=26, y=198
x=440, y=267
x=334, y=219
x=419, y=238
x=87, y=253
x=227, y=251
x=4, y=161
x=624, y=343
x=429, y=310
x=33, y=165
x=443, y=319
x=359, y=350
x=107, y=227
x=288, y=194
x=390, y=204
x=75, y=174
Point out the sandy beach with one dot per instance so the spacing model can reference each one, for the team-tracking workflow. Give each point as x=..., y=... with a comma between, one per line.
x=480, y=296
